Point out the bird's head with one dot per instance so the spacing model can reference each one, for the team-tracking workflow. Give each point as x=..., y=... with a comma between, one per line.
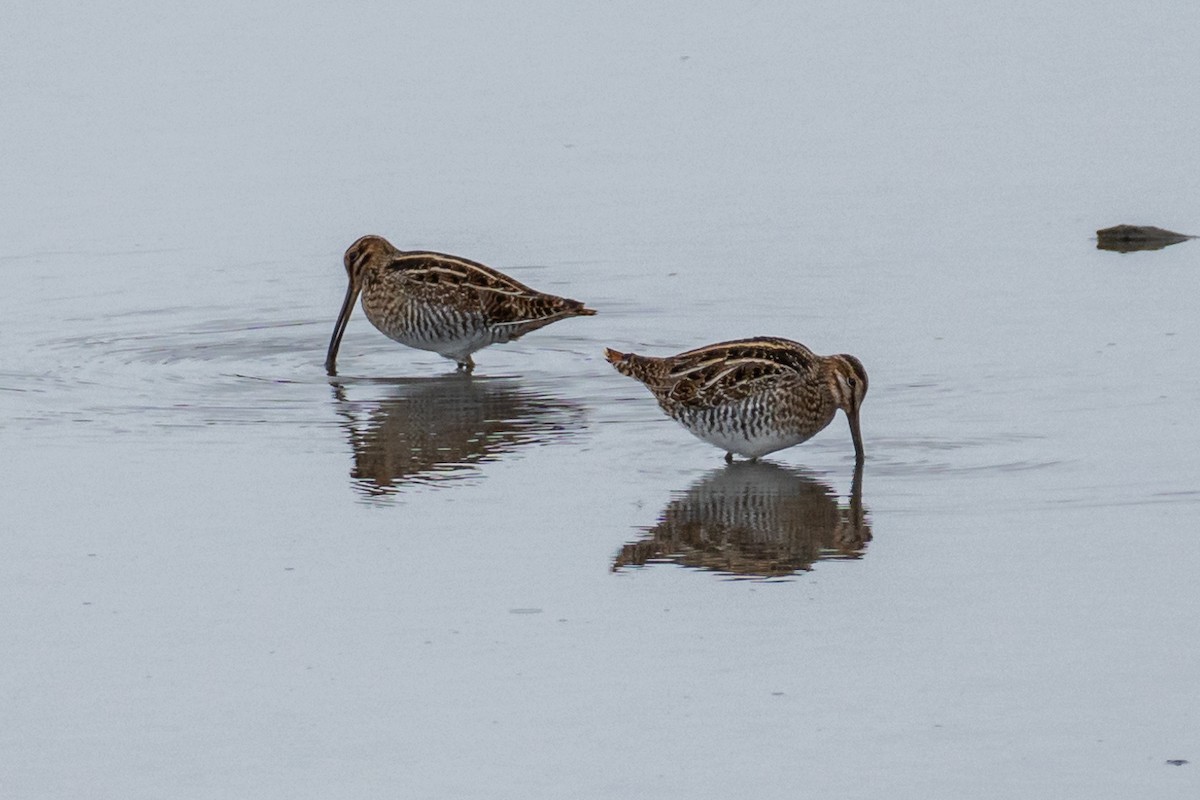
x=848, y=382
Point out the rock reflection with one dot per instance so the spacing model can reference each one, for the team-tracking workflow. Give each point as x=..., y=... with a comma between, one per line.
x=427, y=431
x=754, y=520
x=1129, y=238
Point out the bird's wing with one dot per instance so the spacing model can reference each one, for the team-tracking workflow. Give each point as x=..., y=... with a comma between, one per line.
x=438, y=269
x=731, y=371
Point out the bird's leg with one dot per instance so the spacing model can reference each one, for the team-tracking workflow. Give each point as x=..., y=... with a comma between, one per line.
x=466, y=365
x=729, y=458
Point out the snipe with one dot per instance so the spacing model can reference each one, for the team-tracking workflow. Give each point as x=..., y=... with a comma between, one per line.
x=751, y=397
x=443, y=303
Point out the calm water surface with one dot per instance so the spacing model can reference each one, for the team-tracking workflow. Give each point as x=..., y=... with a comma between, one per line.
x=225, y=574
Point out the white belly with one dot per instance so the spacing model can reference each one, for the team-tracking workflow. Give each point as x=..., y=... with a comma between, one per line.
x=749, y=446
x=748, y=428
x=456, y=348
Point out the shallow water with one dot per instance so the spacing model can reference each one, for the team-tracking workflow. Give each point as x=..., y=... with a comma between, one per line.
x=226, y=574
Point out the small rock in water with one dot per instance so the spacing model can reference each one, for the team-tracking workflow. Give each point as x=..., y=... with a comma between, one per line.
x=1127, y=238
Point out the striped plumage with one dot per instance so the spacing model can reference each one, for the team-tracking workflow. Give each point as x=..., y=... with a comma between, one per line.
x=751, y=397
x=443, y=303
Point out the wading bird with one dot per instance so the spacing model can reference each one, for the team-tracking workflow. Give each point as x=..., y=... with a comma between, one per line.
x=439, y=302
x=751, y=397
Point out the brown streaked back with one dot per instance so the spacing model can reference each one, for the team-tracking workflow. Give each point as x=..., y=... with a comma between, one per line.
x=722, y=372
x=439, y=269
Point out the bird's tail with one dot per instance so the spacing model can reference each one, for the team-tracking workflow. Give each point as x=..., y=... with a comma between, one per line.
x=631, y=364
x=615, y=358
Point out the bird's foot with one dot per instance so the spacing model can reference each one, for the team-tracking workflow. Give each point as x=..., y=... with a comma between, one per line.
x=729, y=458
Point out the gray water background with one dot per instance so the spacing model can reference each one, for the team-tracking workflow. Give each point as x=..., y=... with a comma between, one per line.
x=222, y=575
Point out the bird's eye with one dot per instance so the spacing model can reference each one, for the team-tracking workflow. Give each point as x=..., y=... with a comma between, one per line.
x=852, y=382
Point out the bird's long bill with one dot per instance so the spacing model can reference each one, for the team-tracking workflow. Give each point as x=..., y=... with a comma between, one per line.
x=340, y=328
x=856, y=434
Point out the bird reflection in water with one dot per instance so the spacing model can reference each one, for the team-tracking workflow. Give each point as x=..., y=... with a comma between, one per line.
x=427, y=431
x=754, y=519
